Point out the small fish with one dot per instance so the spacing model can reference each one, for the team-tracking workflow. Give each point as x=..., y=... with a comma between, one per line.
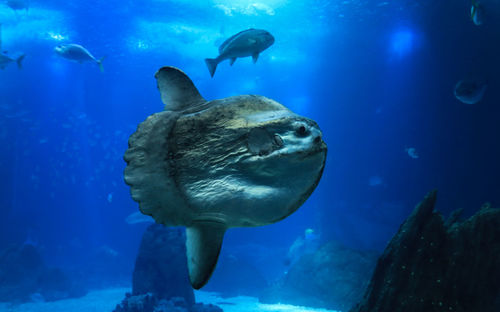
x=250, y=42
x=476, y=13
x=76, y=52
x=17, y=5
x=412, y=152
x=6, y=59
x=138, y=217
x=470, y=91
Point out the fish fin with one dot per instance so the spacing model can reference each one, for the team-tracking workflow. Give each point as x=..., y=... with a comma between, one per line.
x=177, y=90
x=232, y=61
x=255, y=57
x=203, y=244
x=19, y=61
x=139, y=217
x=212, y=65
x=99, y=62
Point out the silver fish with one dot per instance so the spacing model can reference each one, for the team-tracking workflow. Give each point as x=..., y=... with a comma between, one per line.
x=476, y=13
x=470, y=91
x=250, y=42
x=76, y=52
x=17, y=4
x=6, y=59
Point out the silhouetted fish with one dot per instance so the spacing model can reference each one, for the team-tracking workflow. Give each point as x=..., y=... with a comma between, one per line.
x=250, y=42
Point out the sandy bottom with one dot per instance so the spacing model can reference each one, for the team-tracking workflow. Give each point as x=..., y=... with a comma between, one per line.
x=107, y=299
x=249, y=304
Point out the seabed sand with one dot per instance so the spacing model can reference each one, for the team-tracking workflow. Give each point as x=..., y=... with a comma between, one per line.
x=106, y=300
x=249, y=304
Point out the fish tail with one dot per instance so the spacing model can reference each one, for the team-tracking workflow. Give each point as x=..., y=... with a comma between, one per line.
x=19, y=61
x=212, y=65
x=99, y=62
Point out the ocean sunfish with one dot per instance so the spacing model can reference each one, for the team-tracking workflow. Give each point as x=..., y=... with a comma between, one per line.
x=250, y=42
x=240, y=161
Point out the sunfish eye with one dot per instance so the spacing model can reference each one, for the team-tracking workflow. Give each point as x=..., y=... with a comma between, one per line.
x=301, y=130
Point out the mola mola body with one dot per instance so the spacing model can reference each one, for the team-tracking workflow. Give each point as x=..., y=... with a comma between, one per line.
x=240, y=161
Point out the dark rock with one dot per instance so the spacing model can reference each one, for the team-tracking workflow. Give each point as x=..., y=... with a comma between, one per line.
x=433, y=266
x=200, y=307
x=160, y=280
x=333, y=277
x=161, y=265
x=20, y=267
x=138, y=303
x=25, y=277
x=236, y=277
x=151, y=303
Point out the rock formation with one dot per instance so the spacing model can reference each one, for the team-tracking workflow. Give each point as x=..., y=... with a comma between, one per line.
x=433, y=265
x=160, y=280
x=333, y=277
x=160, y=267
x=25, y=277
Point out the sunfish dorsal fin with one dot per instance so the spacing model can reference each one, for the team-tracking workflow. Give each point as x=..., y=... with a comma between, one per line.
x=177, y=90
x=203, y=243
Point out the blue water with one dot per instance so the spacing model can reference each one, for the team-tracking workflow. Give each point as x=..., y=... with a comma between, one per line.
x=377, y=76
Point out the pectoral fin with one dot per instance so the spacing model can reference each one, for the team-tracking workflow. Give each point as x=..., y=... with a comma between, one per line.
x=203, y=243
x=255, y=57
x=232, y=61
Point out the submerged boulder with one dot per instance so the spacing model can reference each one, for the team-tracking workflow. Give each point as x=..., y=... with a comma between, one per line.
x=333, y=277
x=160, y=280
x=25, y=277
x=433, y=265
x=160, y=267
x=151, y=303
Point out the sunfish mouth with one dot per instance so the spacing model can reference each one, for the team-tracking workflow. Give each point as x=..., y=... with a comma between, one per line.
x=319, y=146
x=267, y=165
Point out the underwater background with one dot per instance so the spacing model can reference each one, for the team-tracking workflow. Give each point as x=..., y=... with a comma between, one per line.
x=377, y=76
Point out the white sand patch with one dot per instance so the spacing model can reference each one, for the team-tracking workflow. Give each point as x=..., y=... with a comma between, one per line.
x=95, y=301
x=249, y=304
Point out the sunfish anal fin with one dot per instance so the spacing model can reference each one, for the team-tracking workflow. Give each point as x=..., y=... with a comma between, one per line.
x=203, y=244
x=177, y=90
x=232, y=61
x=255, y=57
